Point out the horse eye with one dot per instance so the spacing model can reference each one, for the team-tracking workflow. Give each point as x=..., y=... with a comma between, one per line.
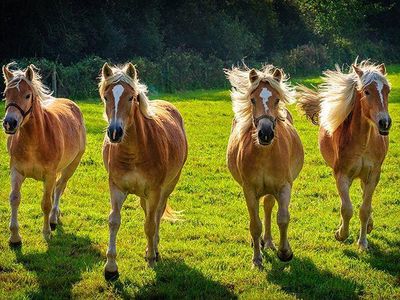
x=28, y=96
x=277, y=101
x=105, y=98
x=130, y=99
x=366, y=93
x=253, y=100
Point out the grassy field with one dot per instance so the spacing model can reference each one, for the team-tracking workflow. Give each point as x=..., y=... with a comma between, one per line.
x=209, y=254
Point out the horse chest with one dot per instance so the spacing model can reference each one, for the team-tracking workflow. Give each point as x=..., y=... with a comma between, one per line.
x=132, y=181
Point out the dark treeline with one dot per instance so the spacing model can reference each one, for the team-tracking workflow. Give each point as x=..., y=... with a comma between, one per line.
x=185, y=44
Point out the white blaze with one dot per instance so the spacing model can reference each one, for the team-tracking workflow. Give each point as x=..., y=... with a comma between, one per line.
x=265, y=94
x=117, y=92
x=379, y=86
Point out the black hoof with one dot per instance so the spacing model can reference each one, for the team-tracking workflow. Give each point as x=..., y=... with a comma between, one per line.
x=284, y=257
x=15, y=245
x=53, y=226
x=111, y=276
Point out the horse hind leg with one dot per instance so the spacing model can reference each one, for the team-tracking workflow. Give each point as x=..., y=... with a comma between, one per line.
x=269, y=202
x=59, y=190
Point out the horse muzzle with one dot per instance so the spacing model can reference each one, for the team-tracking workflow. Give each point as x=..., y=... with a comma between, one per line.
x=10, y=125
x=115, y=133
x=384, y=124
x=265, y=131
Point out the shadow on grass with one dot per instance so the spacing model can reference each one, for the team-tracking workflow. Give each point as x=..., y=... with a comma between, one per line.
x=383, y=260
x=61, y=266
x=303, y=279
x=176, y=280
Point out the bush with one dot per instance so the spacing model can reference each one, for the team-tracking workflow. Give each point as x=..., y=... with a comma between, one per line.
x=303, y=60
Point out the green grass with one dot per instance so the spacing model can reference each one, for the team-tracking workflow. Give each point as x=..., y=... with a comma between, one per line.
x=209, y=254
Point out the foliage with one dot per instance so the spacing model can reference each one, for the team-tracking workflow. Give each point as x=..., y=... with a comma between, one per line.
x=208, y=255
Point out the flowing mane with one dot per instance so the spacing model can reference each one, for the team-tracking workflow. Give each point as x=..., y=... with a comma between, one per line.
x=119, y=75
x=41, y=91
x=338, y=90
x=242, y=89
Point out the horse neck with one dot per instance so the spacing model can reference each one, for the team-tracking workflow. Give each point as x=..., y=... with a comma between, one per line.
x=33, y=129
x=136, y=136
x=356, y=128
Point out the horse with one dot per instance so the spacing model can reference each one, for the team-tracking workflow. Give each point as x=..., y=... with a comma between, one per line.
x=46, y=140
x=265, y=154
x=352, y=112
x=144, y=151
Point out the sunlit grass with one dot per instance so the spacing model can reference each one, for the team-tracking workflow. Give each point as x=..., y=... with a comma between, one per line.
x=209, y=254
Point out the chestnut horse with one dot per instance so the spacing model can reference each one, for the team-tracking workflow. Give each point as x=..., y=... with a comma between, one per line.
x=144, y=151
x=46, y=141
x=352, y=110
x=264, y=154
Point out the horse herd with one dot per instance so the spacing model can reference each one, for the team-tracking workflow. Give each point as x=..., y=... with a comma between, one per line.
x=145, y=147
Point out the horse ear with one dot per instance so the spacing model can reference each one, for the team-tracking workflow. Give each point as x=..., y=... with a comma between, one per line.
x=7, y=74
x=358, y=71
x=106, y=71
x=29, y=73
x=278, y=74
x=382, y=69
x=130, y=70
x=253, y=76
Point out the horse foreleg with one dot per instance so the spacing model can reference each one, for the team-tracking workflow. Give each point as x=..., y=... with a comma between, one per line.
x=255, y=226
x=284, y=252
x=117, y=199
x=15, y=199
x=49, y=184
x=346, y=210
x=269, y=202
x=368, y=187
x=150, y=226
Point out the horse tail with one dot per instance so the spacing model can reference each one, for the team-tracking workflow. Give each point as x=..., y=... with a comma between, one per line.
x=172, y=215
x=309, y=102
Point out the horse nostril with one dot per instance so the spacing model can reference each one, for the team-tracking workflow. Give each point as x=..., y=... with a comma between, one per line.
x=10, y=124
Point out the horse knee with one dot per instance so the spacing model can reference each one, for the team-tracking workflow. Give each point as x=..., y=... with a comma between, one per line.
x=114, y=221
x=15, y=198
x=283, y=217
x=346, y=211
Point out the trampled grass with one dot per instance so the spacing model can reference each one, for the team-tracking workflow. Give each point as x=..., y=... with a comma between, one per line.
x=208, y=255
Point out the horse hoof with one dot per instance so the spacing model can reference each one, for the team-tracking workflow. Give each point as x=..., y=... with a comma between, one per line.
x=15, y=245
x=338, y=237
x=53, y=226
x=363, y=246
x=257, y=264
x=285, y=256
x=111, y=276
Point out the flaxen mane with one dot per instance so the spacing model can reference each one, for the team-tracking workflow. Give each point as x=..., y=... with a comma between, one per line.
x=41, y=92
x=242, y=89
x=334, y=100
x=119, y=75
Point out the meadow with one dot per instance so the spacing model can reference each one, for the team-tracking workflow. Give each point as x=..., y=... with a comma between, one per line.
x=208, y=254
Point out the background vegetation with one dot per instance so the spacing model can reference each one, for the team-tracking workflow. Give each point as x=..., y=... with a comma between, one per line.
x=184, y=44
x=208, y=256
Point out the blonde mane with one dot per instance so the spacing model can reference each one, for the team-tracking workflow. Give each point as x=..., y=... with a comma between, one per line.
x=338, y=92
x=41, y=91
x=242, y=89
x=119, y=75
